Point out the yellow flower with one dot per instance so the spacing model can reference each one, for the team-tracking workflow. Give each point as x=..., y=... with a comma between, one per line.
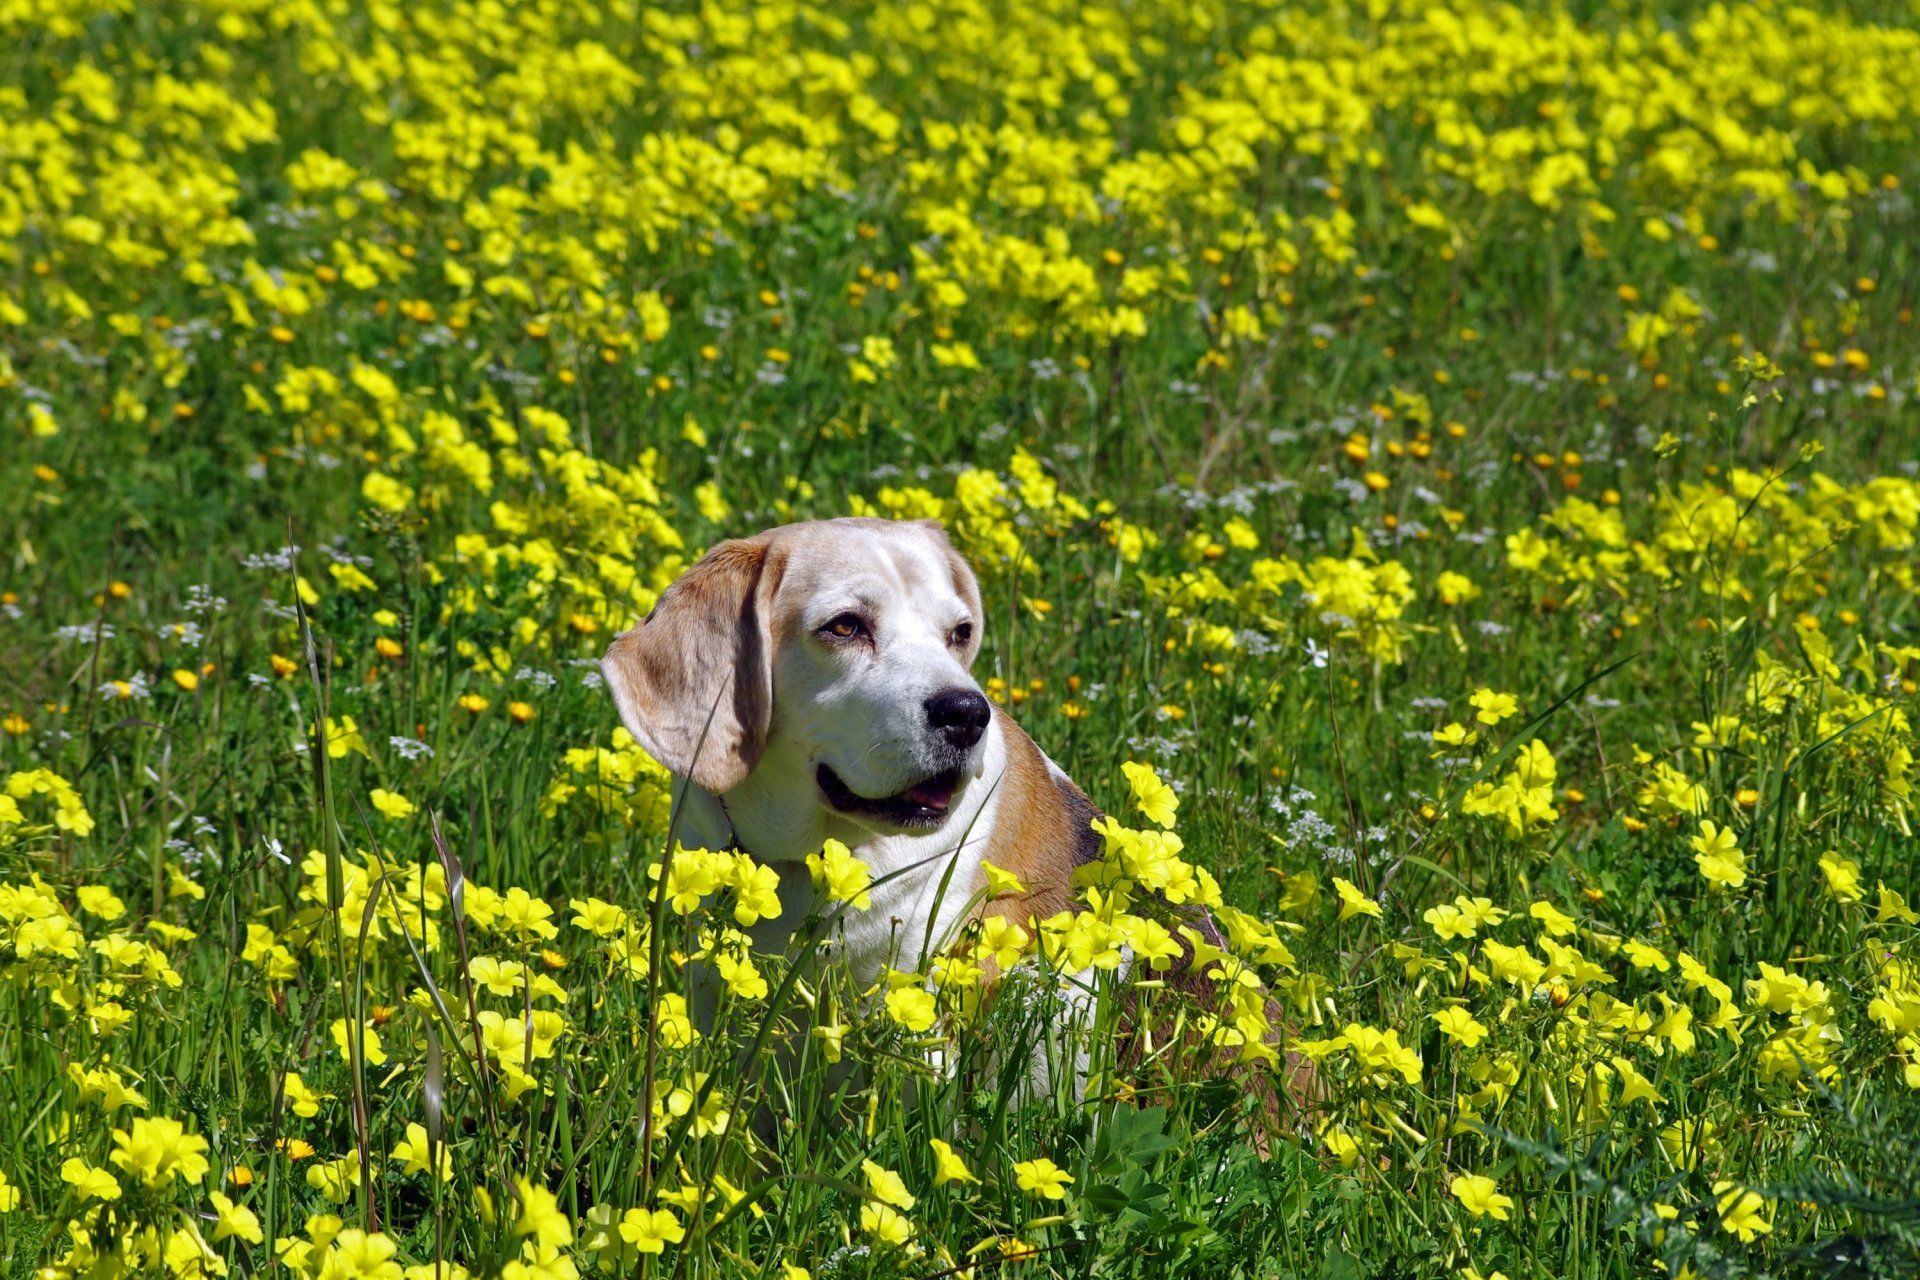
x=947, y=1165
x=157, y=1150
x=756, y=892
x=91, y=1183
x=602, y=1239
x=1687, y=1141
x=1894, y=907
x=1480, y=1196
x=528, y=916
x=1001, y=882
x=676, y=1026
x=1740, y=1211
x=1491, y=708
x=1001, y=939
x=1552, y=919
x=1513, y=964
x=370, y=1048
x=100, y=902
x=9, y=1195
x=353, y=1254
x=885, y=1224
x=601, y=919
x=539, y=1261
x=1718, y=855
x=1460, y=1026
x=831, y=1035
x=1151, y=795
x=1342, y=1146
x=391, y=803
x=350, y=576
x=1455, y=588
x=540, y=1215
x=1380, y=1051
x=1843, y=877
x=1449, y=922
x=236, y=1220
x=953, y=355
x=336, y=1179
x=885, y=1185
x=412, y=1153
x=840, y=875
x=1353, y=902
x=104, y=1085
x=912, y=1007
x=1042, y=1178
x=1642, y=956
x=304, y=1101
x=741, y=977
x=651, y=1230
x=343, y=736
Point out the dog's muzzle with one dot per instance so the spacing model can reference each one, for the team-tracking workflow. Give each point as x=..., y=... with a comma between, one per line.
x=957, y=720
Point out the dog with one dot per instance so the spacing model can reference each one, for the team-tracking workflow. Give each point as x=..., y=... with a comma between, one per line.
x=814, y=681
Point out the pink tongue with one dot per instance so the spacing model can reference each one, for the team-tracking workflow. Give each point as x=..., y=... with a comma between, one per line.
x=931, y=794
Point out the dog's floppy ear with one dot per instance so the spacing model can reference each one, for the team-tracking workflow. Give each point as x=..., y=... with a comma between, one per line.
x=705, y=651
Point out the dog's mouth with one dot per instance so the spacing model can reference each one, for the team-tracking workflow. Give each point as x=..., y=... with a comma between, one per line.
x=924, y=804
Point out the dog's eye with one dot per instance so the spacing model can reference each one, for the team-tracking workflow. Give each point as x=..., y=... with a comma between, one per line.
x=845, y=626
x=961, y=635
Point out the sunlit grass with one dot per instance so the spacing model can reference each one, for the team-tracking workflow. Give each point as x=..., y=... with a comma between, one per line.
x=1466, y=452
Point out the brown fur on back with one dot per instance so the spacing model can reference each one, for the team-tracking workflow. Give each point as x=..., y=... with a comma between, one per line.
x=1042, y=831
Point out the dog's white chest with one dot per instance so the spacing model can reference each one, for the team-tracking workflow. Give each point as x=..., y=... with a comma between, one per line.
x=922, y=891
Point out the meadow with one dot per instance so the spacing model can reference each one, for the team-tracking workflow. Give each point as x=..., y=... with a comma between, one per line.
x=1444, y=476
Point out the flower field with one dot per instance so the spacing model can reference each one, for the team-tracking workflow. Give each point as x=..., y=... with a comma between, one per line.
x=1444, y=476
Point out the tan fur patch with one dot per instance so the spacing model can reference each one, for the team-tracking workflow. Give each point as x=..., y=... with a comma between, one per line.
x=694, y=681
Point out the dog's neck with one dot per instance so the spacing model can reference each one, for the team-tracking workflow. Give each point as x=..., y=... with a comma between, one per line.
x=924, y=882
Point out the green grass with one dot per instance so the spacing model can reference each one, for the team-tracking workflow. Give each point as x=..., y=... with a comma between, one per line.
x=553, y=323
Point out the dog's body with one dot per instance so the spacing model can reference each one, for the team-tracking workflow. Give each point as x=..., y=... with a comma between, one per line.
x=812, y=682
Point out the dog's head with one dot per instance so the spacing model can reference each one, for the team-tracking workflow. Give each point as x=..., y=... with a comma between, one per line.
x=834, y=653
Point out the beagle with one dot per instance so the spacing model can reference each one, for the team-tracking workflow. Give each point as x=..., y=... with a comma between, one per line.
x=813, y=681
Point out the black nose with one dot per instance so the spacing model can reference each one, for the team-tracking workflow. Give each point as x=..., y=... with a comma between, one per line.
x=959, y=714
